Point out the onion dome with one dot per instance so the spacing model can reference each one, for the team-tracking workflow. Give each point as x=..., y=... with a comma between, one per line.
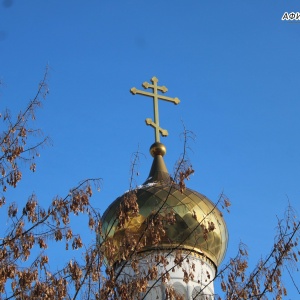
x=198, y=225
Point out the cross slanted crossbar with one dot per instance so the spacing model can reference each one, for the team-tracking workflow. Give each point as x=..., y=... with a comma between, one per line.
x=155, y=97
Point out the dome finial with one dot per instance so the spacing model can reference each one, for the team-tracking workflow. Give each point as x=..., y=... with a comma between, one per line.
x=158, y=149
x=156, y=97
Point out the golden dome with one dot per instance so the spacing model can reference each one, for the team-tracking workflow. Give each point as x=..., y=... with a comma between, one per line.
x=198, y=225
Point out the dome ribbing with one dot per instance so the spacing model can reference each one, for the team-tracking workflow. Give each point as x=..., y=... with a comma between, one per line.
x=194, y=215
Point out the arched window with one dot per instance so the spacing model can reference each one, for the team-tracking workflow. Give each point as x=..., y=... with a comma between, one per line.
x=197, y=294
x=180, y=290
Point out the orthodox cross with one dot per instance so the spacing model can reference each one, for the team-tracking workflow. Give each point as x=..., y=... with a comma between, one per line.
x=155, y=97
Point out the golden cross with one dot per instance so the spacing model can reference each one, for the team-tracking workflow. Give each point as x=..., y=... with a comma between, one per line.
x=155, y=97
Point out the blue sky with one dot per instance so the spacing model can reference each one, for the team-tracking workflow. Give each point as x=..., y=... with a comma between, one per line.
x=234, y=65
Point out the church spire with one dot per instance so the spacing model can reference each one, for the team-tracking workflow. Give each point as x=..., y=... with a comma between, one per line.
x=158, y=172
x=164, y=223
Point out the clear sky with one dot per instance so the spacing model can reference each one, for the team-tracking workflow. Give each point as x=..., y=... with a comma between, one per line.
x=235, y=66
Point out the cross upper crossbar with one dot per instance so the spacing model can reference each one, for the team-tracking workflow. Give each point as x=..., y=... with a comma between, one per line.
x=155, y=97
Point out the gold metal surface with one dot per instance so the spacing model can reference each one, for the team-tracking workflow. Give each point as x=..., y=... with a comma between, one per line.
x=155, y=97
x=187, y=232
x=158, y=171
x=158, y=149
x=159, y=196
